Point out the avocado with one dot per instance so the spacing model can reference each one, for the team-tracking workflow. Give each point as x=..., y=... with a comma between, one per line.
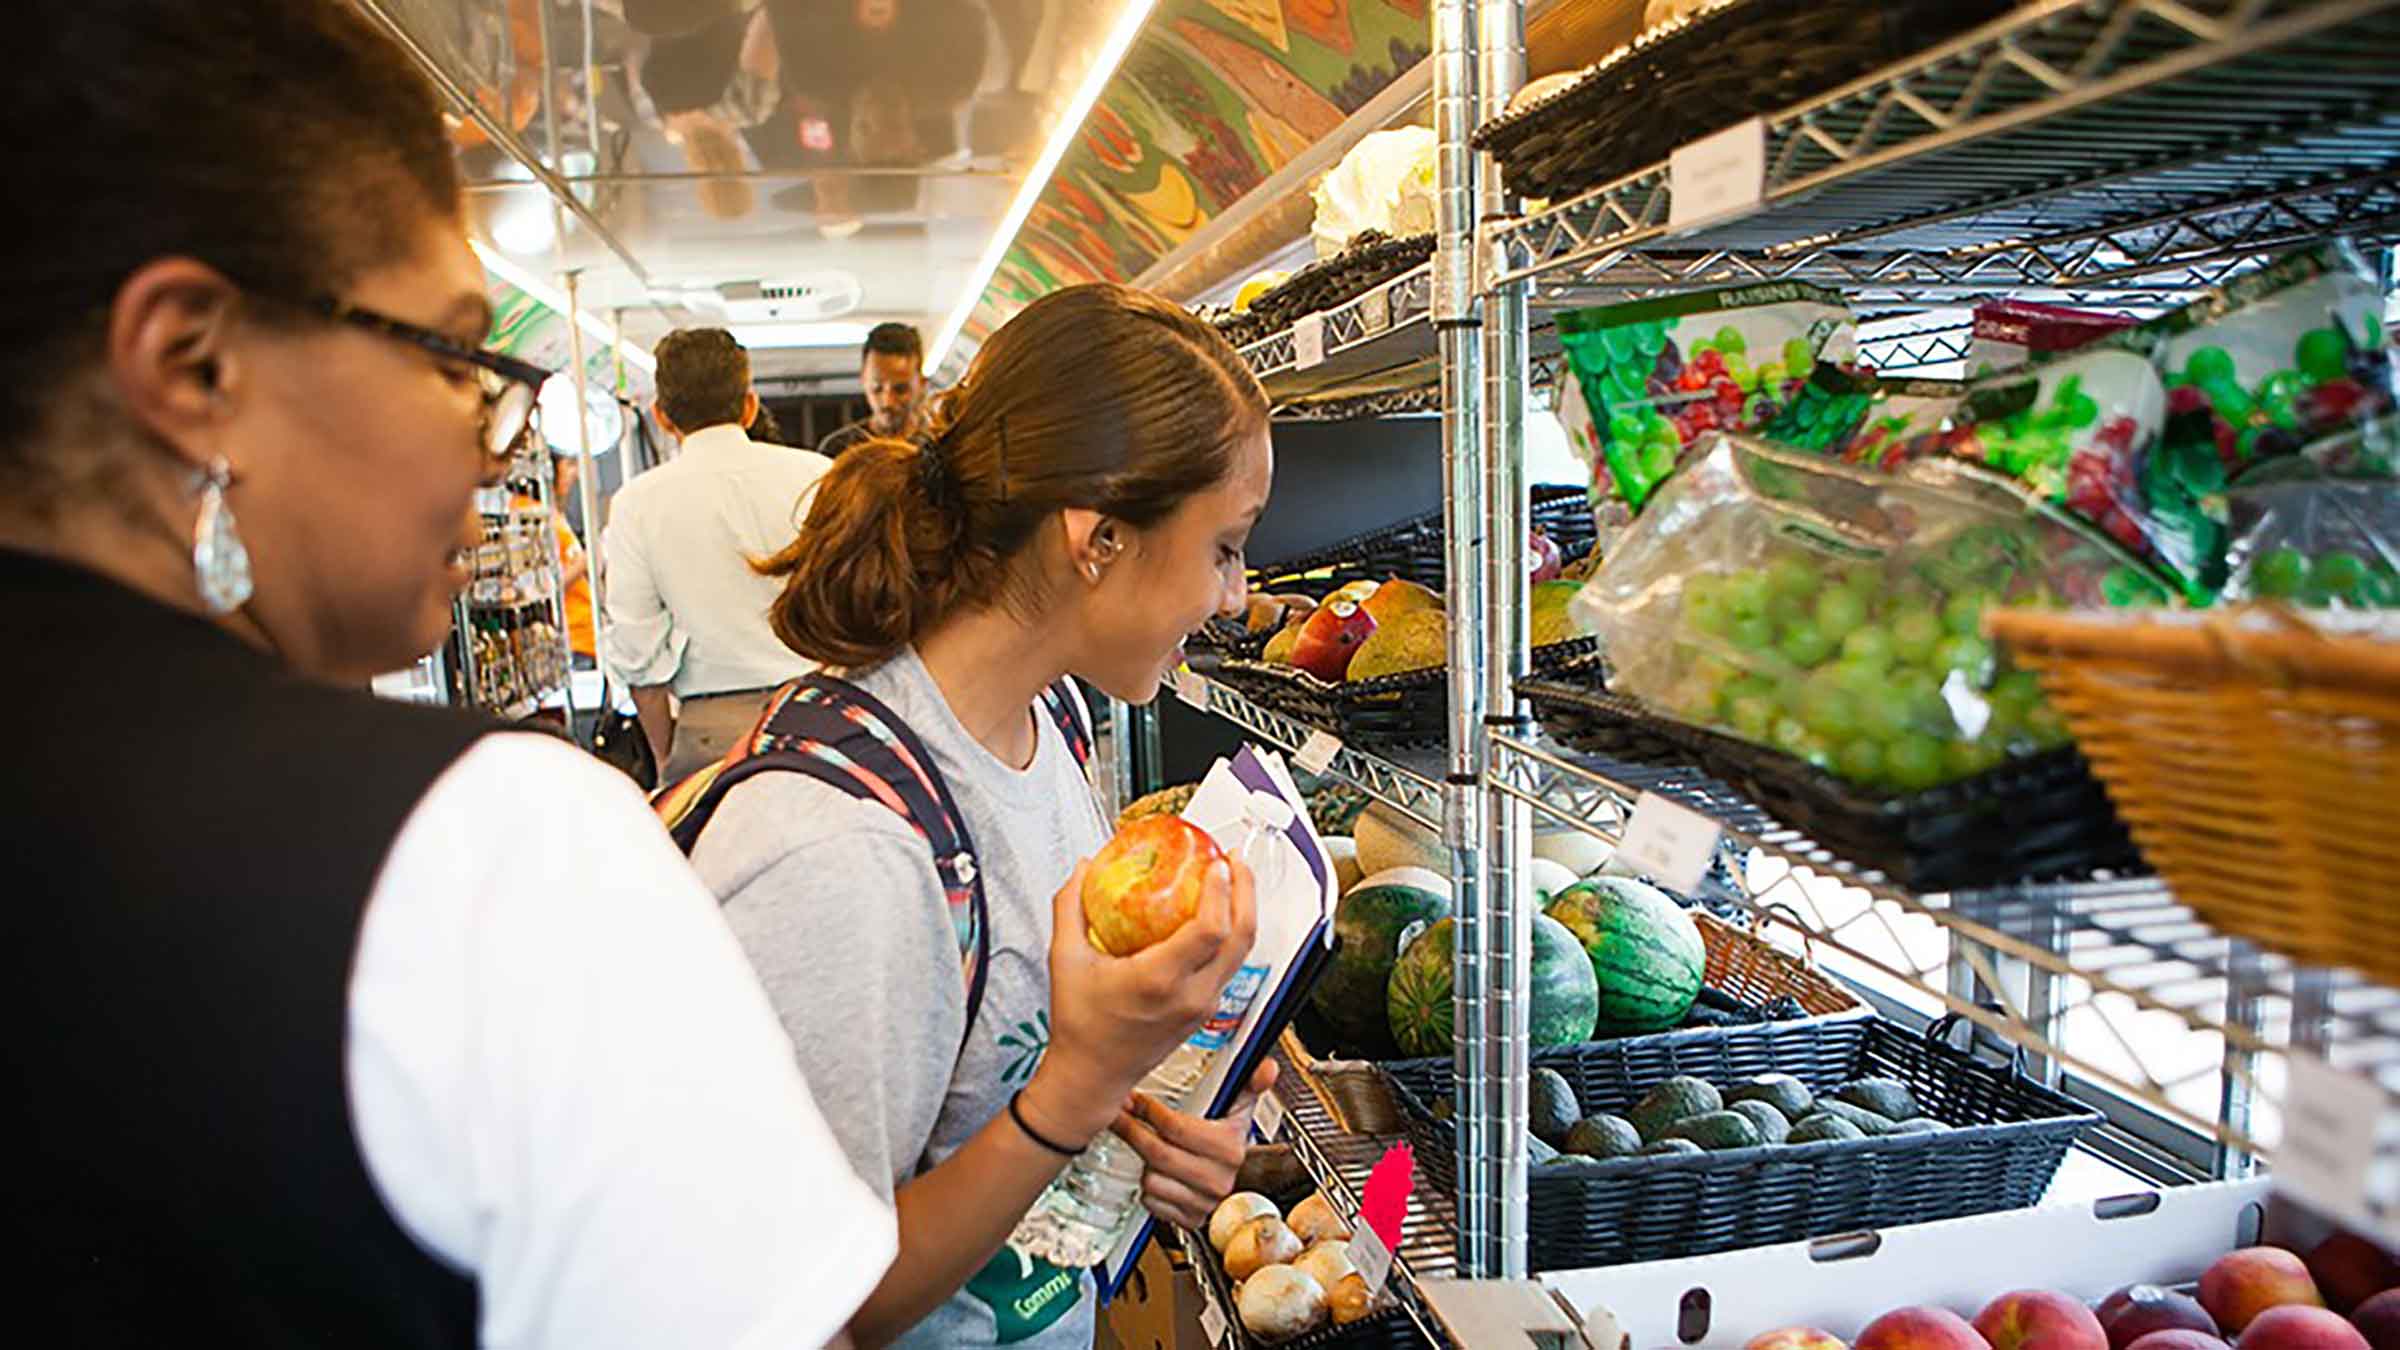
x=1538, y=1152
x=1818, y=1128
x=1772, y=1127
x=1604, y=1136
x=1674, y=1146
x=1918, y=1125
x=1867, y=1121
x=1717, y=1130
x=1673, y=1100
x=1780, y=1090
x=1886, y=1097
x=1553, y=1107
x=1443, y=1108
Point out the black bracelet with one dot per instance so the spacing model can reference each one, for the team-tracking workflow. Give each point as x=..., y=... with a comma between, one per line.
x=1018, y=1115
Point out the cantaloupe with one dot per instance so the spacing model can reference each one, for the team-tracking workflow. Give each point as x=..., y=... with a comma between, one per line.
x=1387, y=839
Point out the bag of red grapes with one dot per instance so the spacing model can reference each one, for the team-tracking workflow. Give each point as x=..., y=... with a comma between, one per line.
x=2143, y=432
x=1651, y=377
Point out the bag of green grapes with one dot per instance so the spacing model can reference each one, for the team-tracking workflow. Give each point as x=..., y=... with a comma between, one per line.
x=1835, y=612
x=2316, y=543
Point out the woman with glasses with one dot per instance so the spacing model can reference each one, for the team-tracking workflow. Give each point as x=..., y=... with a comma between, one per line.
x=335, y=1022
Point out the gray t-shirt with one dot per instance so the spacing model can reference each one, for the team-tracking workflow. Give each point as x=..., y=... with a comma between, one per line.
x=843, y=916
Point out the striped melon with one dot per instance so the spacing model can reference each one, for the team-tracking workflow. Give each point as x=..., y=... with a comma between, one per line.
x=1645, y=949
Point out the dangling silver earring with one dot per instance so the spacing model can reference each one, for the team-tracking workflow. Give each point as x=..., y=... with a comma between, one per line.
x=219, y=561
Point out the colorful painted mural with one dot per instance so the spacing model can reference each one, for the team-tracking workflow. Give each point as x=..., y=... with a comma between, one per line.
x=524, y=327
x=1214, y=96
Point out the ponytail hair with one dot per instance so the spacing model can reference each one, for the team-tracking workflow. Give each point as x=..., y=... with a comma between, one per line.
x=1096, y=397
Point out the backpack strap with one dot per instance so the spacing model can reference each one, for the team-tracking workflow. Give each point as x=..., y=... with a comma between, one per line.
x=1064, y=703
x=842, y=736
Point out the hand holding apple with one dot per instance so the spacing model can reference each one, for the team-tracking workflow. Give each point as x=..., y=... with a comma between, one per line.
x=1145, y=882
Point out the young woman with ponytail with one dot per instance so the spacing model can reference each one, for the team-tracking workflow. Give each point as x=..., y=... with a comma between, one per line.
x=1082, y=507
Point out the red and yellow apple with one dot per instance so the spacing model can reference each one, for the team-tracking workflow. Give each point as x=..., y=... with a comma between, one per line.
x=1330, y=637
x=2300, y=1326
x=1920, y=1328
x=1796, y=1338
x=2242, y=1284
x=1145, y=883
x=2037, y=1319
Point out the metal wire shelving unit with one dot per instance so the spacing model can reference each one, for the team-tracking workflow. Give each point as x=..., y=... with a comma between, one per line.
x=2116, y=154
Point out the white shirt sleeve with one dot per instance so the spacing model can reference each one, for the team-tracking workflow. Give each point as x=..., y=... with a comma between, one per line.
x=566, y=1081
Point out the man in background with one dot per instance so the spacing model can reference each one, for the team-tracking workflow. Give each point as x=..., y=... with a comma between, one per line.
x=891, y=368
x=687, y=617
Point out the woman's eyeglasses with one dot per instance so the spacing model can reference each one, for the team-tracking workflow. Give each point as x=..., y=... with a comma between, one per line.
x=510, y=387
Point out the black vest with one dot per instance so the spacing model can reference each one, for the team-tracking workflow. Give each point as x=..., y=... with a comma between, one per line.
x=189, y=833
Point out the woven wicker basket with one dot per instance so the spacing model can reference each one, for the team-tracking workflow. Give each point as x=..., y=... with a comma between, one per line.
x=1740, y=963
x=2256, y=758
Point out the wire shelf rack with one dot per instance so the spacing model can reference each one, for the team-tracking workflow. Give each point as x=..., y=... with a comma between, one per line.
x=2074, y=149
x=1411, y=787
x=2082, y=975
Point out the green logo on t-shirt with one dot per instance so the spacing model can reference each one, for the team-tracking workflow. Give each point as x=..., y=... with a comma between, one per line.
x=1025, y=1295
x=1025, y=1044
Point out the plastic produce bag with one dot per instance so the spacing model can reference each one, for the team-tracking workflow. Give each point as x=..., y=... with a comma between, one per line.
x=1835, y=612
x=2142, y=432
x=1385, y=183
x=2010, y=332
x=2323, y=545
x=1654, y=376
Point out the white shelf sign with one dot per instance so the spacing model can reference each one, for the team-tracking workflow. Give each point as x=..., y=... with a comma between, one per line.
x=1371, y=1257
x=1718, y=176
x=1190, y=688
x=1375, y=311
x=1317, y=753
x=2332, y=1123
x=1212, y=1323
x=1308, y=341
x=1669, y=841
x=1269, y=1117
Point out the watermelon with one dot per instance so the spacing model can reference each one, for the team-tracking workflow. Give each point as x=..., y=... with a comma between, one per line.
x=1369, y=921
x=1645, y=952
x=1418, y=1005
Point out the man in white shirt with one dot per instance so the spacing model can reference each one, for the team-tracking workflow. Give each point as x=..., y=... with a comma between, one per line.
x=687, y=615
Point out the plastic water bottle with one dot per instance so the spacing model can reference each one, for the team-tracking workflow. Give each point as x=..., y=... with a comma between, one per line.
x=1079, y=1218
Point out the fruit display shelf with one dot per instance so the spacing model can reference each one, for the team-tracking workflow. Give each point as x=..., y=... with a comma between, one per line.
x=2073, y=149
x=1339, y=1162
x=1376, y=342
x=1409, y=784
x=2110, y=981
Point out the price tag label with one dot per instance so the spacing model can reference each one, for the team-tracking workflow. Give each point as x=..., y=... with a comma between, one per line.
x=2332, y=1122
x=1212, y=1323
x=1668, y=841
x=1308, y=341
x=1269, y=1117
x=1372, y=1258
x=1316, y=753
x=1375, y=311
x=1190, y=688
x=1718, y=177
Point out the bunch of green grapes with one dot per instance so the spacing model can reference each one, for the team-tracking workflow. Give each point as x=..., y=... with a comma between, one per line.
x=1883, y=680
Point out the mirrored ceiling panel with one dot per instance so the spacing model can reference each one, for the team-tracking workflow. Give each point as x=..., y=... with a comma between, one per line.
x=796, y=170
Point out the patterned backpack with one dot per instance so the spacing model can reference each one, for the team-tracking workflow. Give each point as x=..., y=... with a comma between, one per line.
x=843, y=736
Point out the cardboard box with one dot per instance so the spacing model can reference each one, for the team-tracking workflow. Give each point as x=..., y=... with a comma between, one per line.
x=1839, y=1284
x=1159, y=1307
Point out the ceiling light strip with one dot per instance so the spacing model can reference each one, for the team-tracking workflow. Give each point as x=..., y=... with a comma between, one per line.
x=515, y=274
x=1070, y=124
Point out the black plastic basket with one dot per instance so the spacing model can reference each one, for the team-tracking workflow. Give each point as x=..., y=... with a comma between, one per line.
x=1407, y=711
x=1414, y=549
x=2008, y=1135
x=2040, y=817
x=1371, y=260
x=1687, y=79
